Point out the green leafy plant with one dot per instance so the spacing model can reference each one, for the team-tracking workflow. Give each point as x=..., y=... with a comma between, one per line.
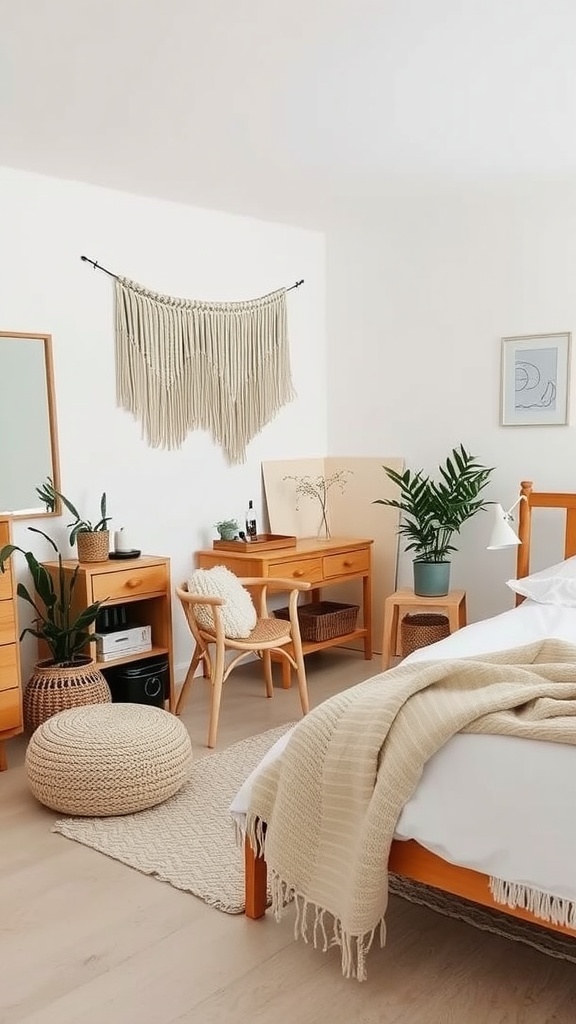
x=227, y=527
x=434, y=510
x=65, y=635
x=49, y=495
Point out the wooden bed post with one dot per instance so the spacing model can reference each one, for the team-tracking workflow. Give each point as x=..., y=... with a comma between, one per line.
x=524, y=523
x=254, y=882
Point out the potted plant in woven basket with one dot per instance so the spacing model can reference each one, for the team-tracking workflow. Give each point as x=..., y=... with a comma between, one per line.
x=68, y=677
x=92, y=540
x=433, y=511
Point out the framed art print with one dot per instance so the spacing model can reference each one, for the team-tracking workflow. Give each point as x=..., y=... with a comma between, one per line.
x=535, y=380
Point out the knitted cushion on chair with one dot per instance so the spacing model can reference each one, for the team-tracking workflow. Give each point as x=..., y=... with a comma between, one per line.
x=238, y=611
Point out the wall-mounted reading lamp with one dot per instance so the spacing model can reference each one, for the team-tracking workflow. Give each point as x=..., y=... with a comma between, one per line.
x=502, y=535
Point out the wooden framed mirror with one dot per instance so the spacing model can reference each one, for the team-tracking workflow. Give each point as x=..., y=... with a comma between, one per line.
x=28, y=431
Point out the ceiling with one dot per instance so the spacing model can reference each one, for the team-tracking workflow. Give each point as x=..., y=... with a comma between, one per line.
x=287, y=110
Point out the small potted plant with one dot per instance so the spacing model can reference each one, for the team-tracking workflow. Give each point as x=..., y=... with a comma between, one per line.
x=433, y=511
x=68, y=677
x=227, y=529
x=92, y=540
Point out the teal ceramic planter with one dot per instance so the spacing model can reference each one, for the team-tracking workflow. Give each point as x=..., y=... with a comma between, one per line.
x=431, y=579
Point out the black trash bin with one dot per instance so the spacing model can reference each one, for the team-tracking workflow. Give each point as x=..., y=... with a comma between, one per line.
x=142, y=682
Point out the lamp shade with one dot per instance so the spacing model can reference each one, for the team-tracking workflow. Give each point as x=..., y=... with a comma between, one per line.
x=502, y=535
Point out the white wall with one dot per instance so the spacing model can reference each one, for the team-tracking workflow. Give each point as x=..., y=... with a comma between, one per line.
x=420, y=291
x=168, y=501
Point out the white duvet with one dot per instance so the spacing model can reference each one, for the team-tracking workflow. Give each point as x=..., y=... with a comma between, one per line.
x=502, y=805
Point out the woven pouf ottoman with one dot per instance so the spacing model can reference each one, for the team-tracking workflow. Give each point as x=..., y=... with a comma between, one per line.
x=106, y=759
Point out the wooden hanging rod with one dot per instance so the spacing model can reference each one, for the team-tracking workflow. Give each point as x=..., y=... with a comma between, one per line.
x=98, y=266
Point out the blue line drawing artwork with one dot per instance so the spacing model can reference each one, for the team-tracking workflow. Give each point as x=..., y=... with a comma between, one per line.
x=535, y=378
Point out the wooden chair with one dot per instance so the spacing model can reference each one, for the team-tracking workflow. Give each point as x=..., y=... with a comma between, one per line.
x=270, y=634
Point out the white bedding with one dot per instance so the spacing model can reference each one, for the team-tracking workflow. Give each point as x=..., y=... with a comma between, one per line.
x=502, y=805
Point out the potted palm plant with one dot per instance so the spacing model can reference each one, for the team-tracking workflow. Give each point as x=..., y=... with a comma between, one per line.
x=92, y=539
x=433, y=511
x=69, y=676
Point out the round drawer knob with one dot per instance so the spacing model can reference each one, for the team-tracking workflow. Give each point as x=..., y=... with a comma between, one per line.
x=348, y=564
x=133, y=583
x=298, y=572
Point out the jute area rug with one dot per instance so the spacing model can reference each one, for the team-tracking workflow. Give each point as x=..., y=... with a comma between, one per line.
x=189, y=841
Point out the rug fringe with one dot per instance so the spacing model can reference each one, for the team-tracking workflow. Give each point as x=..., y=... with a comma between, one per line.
x=543, y=905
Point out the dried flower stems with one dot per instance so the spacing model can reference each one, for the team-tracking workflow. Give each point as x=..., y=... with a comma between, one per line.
x=317, y=489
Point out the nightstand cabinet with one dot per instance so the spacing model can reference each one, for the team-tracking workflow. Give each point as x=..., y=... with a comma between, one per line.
x=141, y=583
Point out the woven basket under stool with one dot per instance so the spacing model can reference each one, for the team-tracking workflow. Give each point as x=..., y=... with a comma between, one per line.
x=420, y=630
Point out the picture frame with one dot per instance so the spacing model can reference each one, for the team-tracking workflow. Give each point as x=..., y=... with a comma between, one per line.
x=535, y=380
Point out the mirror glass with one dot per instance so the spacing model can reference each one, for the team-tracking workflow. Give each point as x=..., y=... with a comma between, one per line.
x=29, y=443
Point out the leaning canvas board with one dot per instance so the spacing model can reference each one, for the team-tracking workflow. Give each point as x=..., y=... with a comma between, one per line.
x=351, y=513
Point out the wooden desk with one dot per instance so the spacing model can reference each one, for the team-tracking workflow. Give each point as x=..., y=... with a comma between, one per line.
x=322, y=563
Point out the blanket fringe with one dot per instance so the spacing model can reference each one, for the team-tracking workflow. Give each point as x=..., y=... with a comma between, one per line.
x=239, y=832
x=255, y=831
x=543, y=905
x=311, y=925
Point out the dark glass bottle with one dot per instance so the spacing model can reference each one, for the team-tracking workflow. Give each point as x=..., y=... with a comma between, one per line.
x=251, y=528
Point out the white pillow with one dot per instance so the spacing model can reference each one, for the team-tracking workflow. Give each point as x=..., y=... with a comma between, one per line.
x=238, y=611
x=555, y=585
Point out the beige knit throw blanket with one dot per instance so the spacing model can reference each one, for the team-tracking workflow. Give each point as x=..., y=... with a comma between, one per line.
x=332, y=801
x=185, y=365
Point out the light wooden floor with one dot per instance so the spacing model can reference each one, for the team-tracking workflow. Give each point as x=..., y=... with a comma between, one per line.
x=85, y=940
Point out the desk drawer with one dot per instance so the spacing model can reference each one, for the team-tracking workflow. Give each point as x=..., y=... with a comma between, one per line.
x=8, y=667
x=308, y=569
x=347, y=563
x=139, y=582
x=10, y=710
x=7, y=623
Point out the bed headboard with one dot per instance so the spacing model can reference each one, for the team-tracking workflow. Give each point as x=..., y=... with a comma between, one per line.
x=542, y=499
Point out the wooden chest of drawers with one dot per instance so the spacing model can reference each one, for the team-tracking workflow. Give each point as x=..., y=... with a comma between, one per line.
x=10, y=685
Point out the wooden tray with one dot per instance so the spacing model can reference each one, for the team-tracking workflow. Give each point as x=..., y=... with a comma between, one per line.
x=263, y=542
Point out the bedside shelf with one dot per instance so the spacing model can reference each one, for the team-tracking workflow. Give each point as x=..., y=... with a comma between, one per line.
x=143, y=584
x=153, y=653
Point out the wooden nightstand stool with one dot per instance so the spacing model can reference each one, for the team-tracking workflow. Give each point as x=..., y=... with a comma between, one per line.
x=453, y=603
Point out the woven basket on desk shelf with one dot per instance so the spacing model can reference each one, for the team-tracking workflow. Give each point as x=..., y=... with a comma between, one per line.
x=323, y=620
x=420, y=630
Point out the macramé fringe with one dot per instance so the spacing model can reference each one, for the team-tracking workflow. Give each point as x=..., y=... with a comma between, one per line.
x=543, y=905
x=184, y=365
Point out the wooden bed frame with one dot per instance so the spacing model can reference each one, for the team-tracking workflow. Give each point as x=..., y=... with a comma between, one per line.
x=408, y=858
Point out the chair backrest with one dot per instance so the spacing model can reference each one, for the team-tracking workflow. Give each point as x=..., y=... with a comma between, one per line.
x=219, y=588
x=189, y=605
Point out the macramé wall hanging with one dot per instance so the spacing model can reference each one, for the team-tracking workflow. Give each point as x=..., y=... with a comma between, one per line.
x=184, y=365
